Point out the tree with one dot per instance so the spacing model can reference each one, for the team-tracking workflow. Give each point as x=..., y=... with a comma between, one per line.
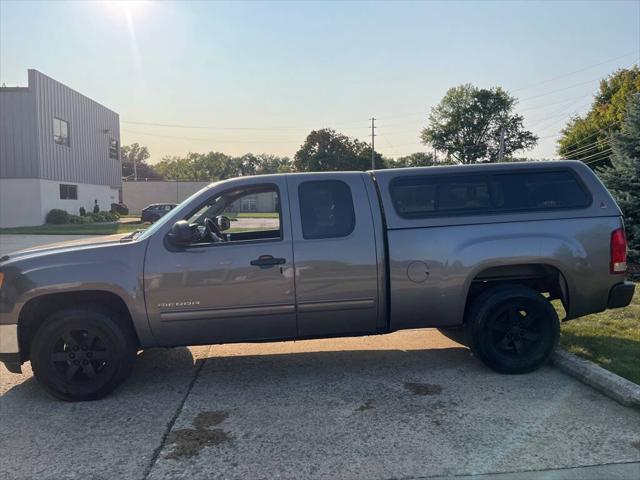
x=327, y=150
x=218, y=166
x=418, y=159
x=136, y=154
x=622, y=178
x=468, y=123
x=586, y=137
x=272, y=164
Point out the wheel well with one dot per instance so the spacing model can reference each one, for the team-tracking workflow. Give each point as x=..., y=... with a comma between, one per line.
x=540, y=277
x=36, y=311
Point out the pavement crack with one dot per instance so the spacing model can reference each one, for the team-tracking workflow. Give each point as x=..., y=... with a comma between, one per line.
x=172, y=421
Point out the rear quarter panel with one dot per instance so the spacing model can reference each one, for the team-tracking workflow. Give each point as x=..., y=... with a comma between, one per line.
x=455, y=255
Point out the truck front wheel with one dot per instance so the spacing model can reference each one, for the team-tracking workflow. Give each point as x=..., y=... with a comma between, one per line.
x=82, y=353
x=513, y=329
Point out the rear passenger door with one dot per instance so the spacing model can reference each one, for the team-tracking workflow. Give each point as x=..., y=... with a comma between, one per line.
x=334, y=254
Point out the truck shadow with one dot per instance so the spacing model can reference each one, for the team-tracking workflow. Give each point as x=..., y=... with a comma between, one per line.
x=170, y=370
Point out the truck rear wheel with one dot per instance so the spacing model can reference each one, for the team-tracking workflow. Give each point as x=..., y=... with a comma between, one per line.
x=513, y=329
x=83, y=353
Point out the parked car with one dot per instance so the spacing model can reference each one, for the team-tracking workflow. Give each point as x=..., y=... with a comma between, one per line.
x=477, y=251
x=152, y=213
x=120, y=208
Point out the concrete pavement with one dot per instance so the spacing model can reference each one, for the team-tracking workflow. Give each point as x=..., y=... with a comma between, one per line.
x=408, y=405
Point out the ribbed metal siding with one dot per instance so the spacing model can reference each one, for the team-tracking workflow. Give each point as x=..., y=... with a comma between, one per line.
x=86, y=160
x=18, y=140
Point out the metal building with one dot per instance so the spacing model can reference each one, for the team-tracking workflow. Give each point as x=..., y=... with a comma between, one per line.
x=58, y=149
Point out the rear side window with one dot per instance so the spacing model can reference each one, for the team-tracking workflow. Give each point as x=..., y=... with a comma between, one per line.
x=539, y=191
x=424, y=196
x=326, y=209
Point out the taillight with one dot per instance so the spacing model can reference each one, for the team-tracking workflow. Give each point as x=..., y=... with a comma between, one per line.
x=618, y=251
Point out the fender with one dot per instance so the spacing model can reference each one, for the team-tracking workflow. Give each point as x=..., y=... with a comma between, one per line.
x=114, y=267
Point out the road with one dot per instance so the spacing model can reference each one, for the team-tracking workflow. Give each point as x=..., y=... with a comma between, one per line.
x=411, y=404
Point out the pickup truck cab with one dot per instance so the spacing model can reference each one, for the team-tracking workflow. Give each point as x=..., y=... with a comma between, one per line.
x=476, y=251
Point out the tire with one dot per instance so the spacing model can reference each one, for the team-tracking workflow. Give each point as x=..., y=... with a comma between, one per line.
x=457, y=334
x=83, y=353
x=153, y=218
x=513, y=329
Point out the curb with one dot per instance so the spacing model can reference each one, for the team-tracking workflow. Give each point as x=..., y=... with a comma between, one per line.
x=613, y=386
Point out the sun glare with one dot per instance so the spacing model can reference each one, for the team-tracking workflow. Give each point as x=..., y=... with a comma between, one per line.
x=126, y=9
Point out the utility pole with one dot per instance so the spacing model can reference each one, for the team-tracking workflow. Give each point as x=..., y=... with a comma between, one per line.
x=135, y=170
x=373, y=145
x=501, y=147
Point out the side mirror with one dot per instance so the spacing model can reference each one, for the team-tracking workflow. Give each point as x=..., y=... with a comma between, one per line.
x=180, y=233
x=223, y=223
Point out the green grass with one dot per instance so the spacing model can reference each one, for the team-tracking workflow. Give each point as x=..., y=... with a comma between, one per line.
x=70, y=229
x=611, y=339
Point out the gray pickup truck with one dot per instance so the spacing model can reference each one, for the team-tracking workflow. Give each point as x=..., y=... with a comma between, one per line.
x=476, y=251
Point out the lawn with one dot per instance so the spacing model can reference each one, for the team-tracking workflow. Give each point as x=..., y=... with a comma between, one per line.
x=72, y=229
x=611, y=339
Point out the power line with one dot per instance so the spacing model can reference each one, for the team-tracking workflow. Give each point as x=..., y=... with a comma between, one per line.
x=575, y=71
x=560, y=90
x=210, y=140
x=582, y=150
x=604, y=152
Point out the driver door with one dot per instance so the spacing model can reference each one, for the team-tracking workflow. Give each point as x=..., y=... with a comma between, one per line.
x=238, y=290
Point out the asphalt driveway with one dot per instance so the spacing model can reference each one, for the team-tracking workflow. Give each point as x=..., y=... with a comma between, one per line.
x=407, y=405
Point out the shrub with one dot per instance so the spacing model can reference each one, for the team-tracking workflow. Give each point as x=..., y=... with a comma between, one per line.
x=120, y=208
x=57, y=216
x=101, y=217
x=75, y=219
x=83, y=211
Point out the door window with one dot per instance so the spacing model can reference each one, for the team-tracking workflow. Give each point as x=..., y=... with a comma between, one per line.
x=261, y=222
x=326, y=209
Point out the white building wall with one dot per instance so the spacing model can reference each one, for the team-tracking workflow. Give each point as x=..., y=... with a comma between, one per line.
x=26, y=201
x=20, y=202
x=87, y=194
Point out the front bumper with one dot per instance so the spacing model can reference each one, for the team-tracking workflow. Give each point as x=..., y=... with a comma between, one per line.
x=9, y=347
x=621, y=295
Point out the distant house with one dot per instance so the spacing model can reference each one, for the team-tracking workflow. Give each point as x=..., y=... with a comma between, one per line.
x=58, y=149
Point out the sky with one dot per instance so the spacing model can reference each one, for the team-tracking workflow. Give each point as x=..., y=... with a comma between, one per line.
x=258, y=76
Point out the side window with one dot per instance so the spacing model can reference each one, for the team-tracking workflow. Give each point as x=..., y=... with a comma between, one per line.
x=425, y=196
x=539, y=191
x=326, y=209
x=254, y=213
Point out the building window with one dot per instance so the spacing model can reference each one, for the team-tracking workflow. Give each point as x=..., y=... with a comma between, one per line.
x=68, y=192
x=61, y=132
x=249, y=204
x=113, y=148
